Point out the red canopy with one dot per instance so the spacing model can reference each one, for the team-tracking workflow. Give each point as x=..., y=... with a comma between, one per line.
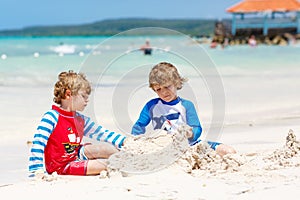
x=250, y=6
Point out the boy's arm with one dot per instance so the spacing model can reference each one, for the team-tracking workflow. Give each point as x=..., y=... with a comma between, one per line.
x=144, y=119
x=44, y=129
x=192, y=120
x=99, y=133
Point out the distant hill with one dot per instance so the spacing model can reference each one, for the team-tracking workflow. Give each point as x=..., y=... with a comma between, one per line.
x=193, y=27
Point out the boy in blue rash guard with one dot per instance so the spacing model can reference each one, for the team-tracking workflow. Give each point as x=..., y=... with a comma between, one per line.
x=168, y=111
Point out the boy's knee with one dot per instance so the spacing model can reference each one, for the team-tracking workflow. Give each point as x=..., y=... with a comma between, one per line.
x=223, y=149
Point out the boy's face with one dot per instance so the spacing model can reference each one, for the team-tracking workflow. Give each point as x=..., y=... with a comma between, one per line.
x=167, y=92
x=80, y=101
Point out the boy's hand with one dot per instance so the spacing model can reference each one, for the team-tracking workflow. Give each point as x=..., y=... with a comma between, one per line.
x=187, y=130
x=38, y=174
x=124, y=142
x=189, y=134
x=128, y=140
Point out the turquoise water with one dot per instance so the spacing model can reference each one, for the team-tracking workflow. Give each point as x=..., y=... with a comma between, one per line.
x=37, y=61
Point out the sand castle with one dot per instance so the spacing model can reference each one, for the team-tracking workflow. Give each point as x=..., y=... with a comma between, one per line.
x=158, y=149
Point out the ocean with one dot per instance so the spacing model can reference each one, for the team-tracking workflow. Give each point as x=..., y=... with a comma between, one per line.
x=34, y=61
x=256, y=83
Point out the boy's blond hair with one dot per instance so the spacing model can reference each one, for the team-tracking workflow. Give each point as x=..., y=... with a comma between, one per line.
x=70, y=81
x=164, y=73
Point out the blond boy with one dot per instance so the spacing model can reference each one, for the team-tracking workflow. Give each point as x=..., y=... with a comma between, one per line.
x=168, y=111
x=57, y=145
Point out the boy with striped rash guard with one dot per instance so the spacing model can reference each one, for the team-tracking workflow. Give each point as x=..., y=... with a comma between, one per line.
x=57, y=145
x=168, y=111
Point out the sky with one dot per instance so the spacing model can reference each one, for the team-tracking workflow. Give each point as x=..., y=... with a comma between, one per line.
x=17, y=14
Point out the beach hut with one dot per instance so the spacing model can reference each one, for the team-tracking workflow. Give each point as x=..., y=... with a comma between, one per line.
x=265, y=15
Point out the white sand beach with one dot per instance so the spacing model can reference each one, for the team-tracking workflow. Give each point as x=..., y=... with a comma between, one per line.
x=263, y=166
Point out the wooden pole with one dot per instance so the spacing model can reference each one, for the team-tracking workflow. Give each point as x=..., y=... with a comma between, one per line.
x=265, y=28
x=233, y=24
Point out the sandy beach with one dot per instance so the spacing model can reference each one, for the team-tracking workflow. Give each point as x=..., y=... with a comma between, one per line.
x=263, y=166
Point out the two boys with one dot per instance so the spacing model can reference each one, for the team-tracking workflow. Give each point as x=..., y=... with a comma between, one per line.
x=58, y=140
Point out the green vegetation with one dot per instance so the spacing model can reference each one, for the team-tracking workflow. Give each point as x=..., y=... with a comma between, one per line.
x=193, y=27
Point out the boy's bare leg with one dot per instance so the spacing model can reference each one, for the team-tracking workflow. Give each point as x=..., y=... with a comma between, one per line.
x=94, y=167
x=224, y=149
x=101, y=150
x=97, y=155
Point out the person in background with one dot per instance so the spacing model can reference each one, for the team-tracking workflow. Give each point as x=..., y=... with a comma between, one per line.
x=58, y=140
x=252, y=41
x=146, y=48
x=213, y=44
x=169, y=111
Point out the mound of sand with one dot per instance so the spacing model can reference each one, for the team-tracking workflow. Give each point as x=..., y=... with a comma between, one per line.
x=158, y=149
x=201, y=157
x=150, y=152
x=287, y=156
